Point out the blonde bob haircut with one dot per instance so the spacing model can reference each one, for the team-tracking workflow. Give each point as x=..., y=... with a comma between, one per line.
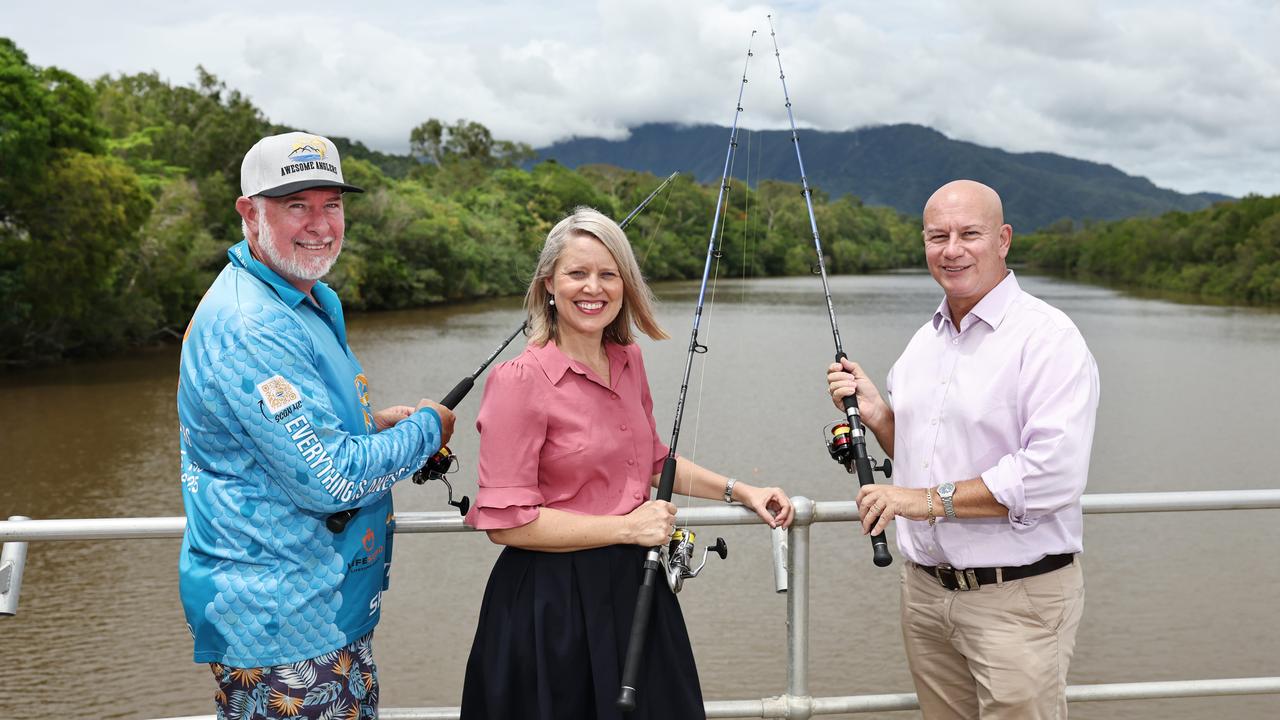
x=637, y=299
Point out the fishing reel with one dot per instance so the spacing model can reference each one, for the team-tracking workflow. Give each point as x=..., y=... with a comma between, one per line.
x=437, y=466
x=678, y=554
x=840, y=442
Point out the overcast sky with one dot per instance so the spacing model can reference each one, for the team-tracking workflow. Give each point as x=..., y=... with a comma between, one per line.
x=1185, y=93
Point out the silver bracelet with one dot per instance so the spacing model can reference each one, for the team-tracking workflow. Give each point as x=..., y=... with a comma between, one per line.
x=728, y=490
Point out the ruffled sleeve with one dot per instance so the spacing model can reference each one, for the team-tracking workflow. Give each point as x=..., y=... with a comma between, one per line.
x=512, y=426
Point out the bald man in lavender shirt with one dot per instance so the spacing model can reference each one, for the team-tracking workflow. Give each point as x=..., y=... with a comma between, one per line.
x=990, y=428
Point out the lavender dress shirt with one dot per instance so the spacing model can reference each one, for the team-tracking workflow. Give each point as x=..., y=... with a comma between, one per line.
x=554, y=434
x=1011, y=397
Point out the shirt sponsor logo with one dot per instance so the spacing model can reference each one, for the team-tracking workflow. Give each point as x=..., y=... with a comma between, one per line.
x=191, y=475
x=321, y=464
x=373, y=553
x=362, y=394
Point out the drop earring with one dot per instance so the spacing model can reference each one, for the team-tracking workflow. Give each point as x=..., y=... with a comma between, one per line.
x=552, y=302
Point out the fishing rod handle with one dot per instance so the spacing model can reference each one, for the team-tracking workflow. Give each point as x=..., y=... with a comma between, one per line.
x=862, y=464
x=644, y=602
x=879, y=546
x=626, y=701
x=458, y=392
x=858, y=430
x=667, y=482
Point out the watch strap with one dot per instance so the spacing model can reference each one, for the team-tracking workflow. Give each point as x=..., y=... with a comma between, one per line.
x=728, y=490
x=947, y=506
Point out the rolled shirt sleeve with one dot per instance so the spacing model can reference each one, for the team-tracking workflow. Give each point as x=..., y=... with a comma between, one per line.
x=1058, y=390
x=1009, y=396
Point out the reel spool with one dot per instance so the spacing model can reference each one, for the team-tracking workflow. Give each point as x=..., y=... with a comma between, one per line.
x=437, y=466
x=839, y=443
x=839, y=440
x=678, y=554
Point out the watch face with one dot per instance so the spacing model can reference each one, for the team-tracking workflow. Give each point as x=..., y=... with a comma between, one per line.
x=946, y=489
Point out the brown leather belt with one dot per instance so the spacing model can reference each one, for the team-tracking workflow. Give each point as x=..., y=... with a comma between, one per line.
x=971, y=579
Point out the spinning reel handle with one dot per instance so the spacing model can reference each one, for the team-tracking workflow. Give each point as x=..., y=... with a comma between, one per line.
x=720, y=548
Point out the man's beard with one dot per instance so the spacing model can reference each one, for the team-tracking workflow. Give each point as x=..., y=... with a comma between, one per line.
x=309, y=269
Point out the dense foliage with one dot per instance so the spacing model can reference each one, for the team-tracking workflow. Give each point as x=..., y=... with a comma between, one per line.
x=1229, y=252
x=117, y=207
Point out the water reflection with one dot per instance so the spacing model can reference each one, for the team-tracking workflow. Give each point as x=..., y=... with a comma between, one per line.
x=1189, y=401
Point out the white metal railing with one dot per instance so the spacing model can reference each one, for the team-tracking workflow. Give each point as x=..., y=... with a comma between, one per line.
x=796, y=702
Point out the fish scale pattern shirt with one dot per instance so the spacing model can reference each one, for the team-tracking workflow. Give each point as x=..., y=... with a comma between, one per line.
x=1010, y=396
x=554, y=434
x=277, y=434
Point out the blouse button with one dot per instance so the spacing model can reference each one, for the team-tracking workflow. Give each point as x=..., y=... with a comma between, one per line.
x=614, y=396
x=638, y=496
x=631, y=462
x=622, y=427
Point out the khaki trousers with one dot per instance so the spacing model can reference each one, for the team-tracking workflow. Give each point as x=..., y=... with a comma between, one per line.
x=1000, y=651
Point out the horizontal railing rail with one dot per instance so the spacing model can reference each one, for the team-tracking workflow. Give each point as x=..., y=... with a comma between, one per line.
x=824, y=511
x=796, y=703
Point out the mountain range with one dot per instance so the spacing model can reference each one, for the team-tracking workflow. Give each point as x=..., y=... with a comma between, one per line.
x=894, y=165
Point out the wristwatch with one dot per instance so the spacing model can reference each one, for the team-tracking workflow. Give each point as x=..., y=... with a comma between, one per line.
x=728, y=489
x=945, y=491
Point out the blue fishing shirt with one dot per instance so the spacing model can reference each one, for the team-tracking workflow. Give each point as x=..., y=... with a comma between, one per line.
x=277, y=434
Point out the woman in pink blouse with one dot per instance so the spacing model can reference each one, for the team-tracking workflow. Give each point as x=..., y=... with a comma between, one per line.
x=568, y=453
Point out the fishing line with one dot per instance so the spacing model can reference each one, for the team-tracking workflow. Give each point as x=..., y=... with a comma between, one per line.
x=846, y=441
x=676, y=560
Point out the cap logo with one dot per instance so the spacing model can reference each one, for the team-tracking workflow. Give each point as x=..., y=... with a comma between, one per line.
x=308, y=155
x=310, y=149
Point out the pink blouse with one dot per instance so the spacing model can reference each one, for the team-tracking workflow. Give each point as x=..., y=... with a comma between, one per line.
x=553, y=434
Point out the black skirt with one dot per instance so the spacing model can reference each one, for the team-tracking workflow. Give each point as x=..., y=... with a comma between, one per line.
x=552, y=640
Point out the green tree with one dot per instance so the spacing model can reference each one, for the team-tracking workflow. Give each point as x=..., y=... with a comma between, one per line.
x=43, y=112
x=64, y=288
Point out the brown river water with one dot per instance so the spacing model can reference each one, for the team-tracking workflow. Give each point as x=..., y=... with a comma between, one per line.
x=1190, y=401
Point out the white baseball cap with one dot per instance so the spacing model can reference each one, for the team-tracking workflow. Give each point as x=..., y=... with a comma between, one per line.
x=281, y=165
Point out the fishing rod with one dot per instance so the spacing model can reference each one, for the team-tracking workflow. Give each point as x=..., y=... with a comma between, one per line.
x=672, y=561
x=846, y=441
x=444, y=461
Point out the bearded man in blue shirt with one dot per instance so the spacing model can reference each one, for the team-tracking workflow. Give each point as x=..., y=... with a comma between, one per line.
x=276, y=435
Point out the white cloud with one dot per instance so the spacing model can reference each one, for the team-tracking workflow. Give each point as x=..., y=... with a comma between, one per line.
x=1182, y=94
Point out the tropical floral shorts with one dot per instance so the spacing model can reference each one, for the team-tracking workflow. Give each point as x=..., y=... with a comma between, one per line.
x=341, y=684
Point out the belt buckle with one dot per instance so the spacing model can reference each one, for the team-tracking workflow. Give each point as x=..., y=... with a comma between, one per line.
x=965, y=579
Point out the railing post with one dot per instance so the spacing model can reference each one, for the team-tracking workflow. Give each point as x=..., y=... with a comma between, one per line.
x=13, y=559
x=799, y=703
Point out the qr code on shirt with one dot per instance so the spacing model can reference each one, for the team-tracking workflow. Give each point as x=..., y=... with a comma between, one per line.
x=278, y=393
